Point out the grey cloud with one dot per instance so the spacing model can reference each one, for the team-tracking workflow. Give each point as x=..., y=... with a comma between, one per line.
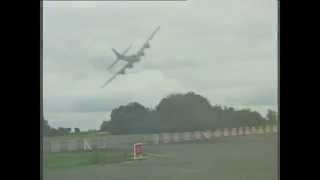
x=80, y=76
x=257, y=97
x=83, y=104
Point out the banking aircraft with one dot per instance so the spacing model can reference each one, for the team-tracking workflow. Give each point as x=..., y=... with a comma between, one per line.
x=130, y=59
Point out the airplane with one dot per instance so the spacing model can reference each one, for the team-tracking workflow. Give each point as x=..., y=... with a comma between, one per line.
x=134, y=57
x=121, y=55
x=130, y=59
x=121, y=71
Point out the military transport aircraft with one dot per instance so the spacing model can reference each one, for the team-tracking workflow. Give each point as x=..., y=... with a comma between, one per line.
x=130, y=59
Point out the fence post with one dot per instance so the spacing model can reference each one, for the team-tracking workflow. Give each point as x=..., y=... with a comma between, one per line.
x=217, y=133
x=247, y=130
x=275, y=128
x=240, y=131
x=234, y=132
x=267, y=130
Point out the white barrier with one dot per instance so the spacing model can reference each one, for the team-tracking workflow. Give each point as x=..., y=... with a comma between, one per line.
x=207, y=134
x=240, y=131
x=74, y=145
x=234, y=132
x=196, y=135
x=86, y=145
x=268, y=129
x=275, y=129
x=162, y=138
x=176, y=137
x=253, y=130
x=187, y=136
x=165, y=138
x=54, y=147
x=225, y=132
x=261, y=130
x=64, y=145
x=247, y=130
x=217, y=133
x=155, y=139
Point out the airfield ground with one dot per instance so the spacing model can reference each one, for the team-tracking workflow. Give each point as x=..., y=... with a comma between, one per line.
x=252, y=157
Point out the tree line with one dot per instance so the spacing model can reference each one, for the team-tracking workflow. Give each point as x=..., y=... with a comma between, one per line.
x=181, y=112
x=47, y=130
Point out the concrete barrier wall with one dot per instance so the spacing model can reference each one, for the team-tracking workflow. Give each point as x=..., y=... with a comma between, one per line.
x=217, y=133
x=240, y=131
x=54, y=147
x=225, y=132
x=186, y=136
x=267, y=129
x=247, y=130
x=196, y=135
x=253, y=130
x=234, y=132
x=165, y=138
x=207, y=134
x=155, y=139
x=260, y=130
x=275, y=129
x=118, y=141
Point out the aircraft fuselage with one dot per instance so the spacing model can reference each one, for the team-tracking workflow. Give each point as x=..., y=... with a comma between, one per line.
x=131, y=58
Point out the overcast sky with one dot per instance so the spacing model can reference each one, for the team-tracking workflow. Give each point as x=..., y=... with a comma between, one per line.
x=225, y=50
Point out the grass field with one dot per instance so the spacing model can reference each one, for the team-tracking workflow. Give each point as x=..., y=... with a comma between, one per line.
x=251, y=157
x=80, y=135
x=65, y=160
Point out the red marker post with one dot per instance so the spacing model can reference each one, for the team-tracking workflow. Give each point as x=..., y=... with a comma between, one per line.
x=138, y=150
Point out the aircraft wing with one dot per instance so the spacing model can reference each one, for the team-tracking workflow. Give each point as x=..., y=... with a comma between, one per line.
x=121, y=71
x=123, y=53
x=146, y=44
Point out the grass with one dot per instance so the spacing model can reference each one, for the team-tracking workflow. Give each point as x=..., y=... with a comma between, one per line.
x=80, y=135
x=252, y=157
x=66, y=160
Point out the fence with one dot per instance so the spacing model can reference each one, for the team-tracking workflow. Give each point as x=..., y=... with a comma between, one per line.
x=123, y=141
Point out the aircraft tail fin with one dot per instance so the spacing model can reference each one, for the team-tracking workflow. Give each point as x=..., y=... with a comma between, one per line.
x=117, y=53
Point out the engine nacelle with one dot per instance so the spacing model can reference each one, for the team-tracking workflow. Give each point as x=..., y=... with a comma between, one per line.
x=141, y=53
x=147, y=45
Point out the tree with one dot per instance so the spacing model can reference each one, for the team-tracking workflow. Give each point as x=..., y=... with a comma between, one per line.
x=50, y=131
x=272, y=117
x=127, y=119
x=46, y=128
x=76, y=130
x=62, y=131
x=184, y=112
x=177, y=113
x=105, y=126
